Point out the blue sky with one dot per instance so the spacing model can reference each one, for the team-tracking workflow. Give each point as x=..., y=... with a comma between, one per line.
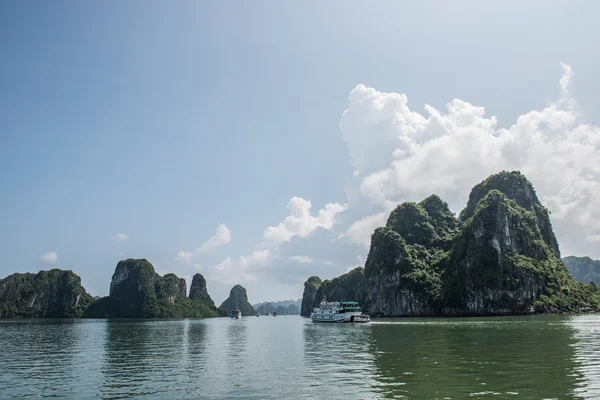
x=164, y=122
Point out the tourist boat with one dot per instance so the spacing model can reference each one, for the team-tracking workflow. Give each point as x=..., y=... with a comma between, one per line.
x=274, y=314
x=339, y=311
x=236, y=314
x=257, y=315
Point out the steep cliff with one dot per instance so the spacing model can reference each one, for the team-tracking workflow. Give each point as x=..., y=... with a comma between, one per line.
x=47, y=294
x=500, y=257
x=311, y=286
x=137, y=291
x=238, y=300
x=406, y=258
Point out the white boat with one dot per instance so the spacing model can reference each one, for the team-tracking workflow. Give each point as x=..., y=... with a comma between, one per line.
x=339, y=311
x=236, y=314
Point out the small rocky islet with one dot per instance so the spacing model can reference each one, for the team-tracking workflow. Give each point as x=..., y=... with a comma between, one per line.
x=499, y=257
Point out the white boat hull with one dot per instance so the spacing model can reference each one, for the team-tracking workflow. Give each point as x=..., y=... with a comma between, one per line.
x=333, y=318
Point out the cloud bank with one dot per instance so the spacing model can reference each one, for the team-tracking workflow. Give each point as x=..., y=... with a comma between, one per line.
x=49, y=258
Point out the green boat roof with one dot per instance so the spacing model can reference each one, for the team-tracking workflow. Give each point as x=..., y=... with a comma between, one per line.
x=350, y=303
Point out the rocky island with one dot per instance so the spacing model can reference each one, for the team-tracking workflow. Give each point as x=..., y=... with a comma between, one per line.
x=137, y=291
x=237, y=300
x=47, y=294
x=500, y=256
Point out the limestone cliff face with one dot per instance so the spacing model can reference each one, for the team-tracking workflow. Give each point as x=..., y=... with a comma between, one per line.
x=137, y=291
x=499, y=257
x=404, y=262
x=500, y=263
x=311, y=286
x=238, y=300
x=198, y=290
x=47, y=294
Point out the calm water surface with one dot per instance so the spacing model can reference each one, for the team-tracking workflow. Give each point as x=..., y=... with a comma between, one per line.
x=288, y=357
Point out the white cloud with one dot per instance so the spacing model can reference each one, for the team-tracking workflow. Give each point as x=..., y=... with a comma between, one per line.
x=239, y=271
x=302, y=259
x=121, y=237
x=301, y=223
x=222, y=236
x=184, y=257
x=49, y=258
x=403, y=155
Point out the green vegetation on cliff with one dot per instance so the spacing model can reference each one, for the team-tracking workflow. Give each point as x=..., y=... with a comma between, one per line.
x=237, y=300
x=137, y=291
x=47, y=294
x=499, y=257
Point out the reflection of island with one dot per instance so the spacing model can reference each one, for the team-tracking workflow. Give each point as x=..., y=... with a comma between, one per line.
x=587, y=354
x=456, y=358
x=339, y=353
x=136, y=352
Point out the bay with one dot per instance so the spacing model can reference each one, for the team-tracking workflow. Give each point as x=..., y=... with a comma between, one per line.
x=289, y=357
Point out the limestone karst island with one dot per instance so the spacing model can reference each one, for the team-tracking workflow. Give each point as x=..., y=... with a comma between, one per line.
x=498, y=257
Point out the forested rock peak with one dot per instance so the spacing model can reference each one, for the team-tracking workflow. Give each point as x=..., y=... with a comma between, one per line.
x=500, y=257
x=516, y=187
x=238, y=300
x=198, y=290
x=48, y=294
x=137, y=291
x=513, y=184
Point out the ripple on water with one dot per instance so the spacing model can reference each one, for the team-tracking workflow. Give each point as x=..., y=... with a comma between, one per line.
x=290, y=357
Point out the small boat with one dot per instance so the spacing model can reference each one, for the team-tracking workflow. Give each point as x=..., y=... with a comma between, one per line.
x=236, y=314
x=258, y=315
x=339, y=311
x=274, y=314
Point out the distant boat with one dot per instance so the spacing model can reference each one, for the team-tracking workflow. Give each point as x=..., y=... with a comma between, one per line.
x=339, y=311
x=236, y=314
x=258, y=315
x=274, y=314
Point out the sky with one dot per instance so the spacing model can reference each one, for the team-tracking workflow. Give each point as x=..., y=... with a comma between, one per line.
x=261, y=143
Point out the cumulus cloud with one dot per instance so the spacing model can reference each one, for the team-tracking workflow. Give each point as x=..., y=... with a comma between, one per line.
x=404, y=155
x=121, y=237
x=184, y=257
x=49, y=258
x=302, y=259
x=222, y=236
x=237, y=271
x=300, y=222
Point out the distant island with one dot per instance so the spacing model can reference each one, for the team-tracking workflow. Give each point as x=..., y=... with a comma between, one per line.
x=499, y=257
x=136, y=291
x=284, y=307
x=584, y=269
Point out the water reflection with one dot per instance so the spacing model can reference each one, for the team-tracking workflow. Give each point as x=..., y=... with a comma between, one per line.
x=292, y=358
x=587, y=355
x=526, y=357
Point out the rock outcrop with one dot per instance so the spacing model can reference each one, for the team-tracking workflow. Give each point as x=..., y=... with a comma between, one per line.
x=47, y=294
x=311, y=287
x=198, y=290
x=583, y=269
x=137, y=291
x=238, y=300
x=499, y=257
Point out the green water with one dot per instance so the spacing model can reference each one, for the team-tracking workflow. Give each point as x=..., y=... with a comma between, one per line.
x=288, y=357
